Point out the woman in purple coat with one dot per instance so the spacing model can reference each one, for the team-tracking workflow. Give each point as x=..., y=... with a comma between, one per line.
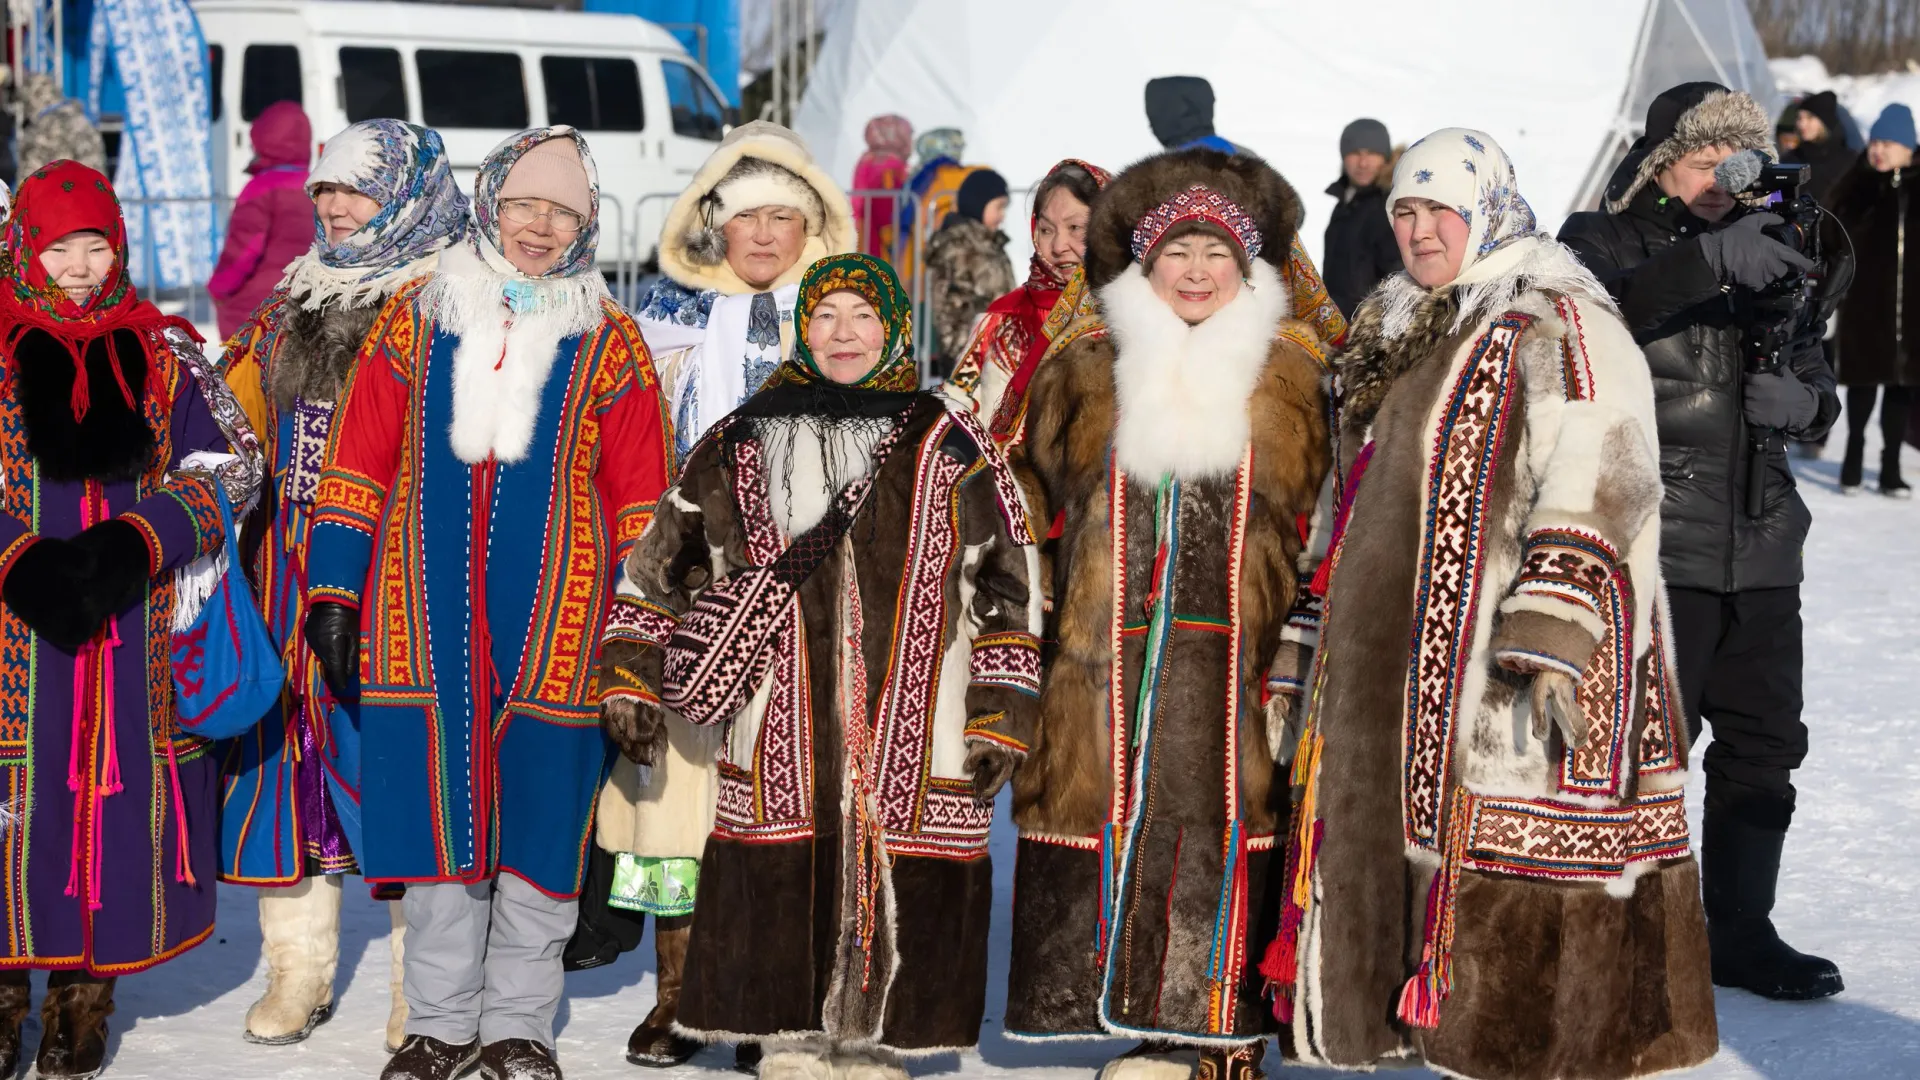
x=113, y=435
x=272, y=222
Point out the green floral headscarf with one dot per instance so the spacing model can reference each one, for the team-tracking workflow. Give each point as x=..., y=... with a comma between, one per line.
x=874, y=280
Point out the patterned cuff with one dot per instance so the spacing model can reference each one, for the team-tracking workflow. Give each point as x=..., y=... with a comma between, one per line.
x=1570, y=567
x=1303, y=620
x=636, y=618
x=988, y=729
x=1010, y=659
x=330, y=594
x=11, y=552
x=1528, y=638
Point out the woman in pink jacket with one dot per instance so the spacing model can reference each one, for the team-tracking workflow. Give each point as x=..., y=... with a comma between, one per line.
x=272, y=222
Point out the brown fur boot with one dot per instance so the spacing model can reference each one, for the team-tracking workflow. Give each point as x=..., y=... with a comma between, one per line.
x=1241, y=1063
x=16, y=996
x=654, y=1044
x=73, y=1043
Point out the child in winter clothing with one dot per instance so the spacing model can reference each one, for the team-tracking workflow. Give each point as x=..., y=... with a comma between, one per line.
x=967, y=263
x=272, y=222
x=882, y=168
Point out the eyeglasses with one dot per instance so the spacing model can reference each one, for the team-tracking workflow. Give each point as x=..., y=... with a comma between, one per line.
x=527, y=211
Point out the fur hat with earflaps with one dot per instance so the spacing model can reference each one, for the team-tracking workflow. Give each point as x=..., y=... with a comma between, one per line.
x=757, y=164
x=1689, y=117
x=1258, y=197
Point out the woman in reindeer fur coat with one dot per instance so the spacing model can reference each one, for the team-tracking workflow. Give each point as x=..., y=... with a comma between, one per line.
x=841, y=917
x=1185, y=441
x=1491, y=868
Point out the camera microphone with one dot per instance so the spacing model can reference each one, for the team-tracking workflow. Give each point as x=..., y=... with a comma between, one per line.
x=1737, y=173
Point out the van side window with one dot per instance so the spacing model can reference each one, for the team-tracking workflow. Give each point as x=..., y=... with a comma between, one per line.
x=268, y=73
x=593, y=93
x=697, y=114
x=372, y=87
x=463, y=89
x=216, y=84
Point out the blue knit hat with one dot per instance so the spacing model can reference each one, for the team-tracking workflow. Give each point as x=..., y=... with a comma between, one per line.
x=1895, y=125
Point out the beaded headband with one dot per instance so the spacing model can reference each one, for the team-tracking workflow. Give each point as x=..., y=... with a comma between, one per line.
x=1197, y=203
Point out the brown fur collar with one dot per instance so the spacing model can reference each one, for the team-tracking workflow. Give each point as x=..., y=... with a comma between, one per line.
x=1371, y=363
x=317, y=351
x=1250, y=182
x=1064, y=786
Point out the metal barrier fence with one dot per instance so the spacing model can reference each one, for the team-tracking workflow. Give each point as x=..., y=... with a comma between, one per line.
x=629, y=237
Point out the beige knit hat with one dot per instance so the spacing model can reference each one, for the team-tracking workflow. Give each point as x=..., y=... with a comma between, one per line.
x=551, y=170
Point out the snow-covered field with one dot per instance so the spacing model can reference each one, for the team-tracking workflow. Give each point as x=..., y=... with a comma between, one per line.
x=1851, y=892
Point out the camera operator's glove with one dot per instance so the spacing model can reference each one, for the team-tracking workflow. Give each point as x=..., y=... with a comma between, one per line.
x=1741, y=254
x=1776, y=399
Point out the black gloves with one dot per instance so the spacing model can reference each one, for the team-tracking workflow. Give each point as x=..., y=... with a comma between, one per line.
x=991, y=766
x=1741, y=255
x=66, y=590
x=123, y=565
x=636, y=727
x=1778, y=400
x=44, y=588
x=333, y=633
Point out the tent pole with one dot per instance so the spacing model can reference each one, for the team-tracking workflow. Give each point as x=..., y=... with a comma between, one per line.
x=1700, y=39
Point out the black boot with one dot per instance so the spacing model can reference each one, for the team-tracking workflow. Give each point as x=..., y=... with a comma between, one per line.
x=73, y=1020
x=1853, y=466
x=1890, y=483
x=16, y=995
x=1739, y=867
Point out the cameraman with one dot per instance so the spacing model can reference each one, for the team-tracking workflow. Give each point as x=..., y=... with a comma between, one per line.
x=1678, y=252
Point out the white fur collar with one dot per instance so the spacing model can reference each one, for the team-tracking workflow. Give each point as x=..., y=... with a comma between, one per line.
x=1492, y=285
x=501, y=364
x=1182, y=390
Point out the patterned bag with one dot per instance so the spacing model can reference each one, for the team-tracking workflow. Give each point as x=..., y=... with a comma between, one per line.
x=721, y=648
x=226, y=669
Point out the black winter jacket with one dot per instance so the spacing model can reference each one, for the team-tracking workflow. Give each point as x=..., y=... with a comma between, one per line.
x=1360, y=251
x=1879, y=333
x=1649, y=257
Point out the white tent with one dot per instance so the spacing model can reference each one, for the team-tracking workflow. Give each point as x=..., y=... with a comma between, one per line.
x=1562, y=86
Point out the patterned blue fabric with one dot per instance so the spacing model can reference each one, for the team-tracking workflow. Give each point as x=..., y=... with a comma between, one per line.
x=165, y=152
x=404, y=168
x=668, y=301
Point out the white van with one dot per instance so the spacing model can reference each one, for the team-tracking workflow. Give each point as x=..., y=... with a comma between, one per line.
x=477, y=74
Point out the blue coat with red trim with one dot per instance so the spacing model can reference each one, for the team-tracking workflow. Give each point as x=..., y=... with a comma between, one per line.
x=485, y=587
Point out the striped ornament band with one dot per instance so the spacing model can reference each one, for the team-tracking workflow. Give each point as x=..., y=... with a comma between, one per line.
x=1197, y=203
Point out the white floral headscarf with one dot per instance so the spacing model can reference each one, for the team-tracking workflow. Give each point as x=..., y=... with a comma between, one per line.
x=1467, y=170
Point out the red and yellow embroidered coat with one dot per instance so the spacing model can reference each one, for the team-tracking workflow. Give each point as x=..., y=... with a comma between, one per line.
x=482, y=590
x=1527, y=908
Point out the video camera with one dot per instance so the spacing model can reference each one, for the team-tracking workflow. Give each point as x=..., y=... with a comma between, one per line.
x=1790, y=308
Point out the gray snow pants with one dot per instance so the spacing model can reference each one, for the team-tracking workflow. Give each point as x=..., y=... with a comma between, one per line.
x=484, y=959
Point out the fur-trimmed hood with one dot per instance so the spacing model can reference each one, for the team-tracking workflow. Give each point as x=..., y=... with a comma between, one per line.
x=687, y=242
x=1250, y=182
x=1682, y=120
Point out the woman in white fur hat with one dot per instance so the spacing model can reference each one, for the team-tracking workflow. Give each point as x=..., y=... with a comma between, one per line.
x=734, y=248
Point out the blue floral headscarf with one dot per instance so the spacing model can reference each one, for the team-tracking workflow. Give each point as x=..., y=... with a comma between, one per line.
x=485, y=235
x=1467, y=170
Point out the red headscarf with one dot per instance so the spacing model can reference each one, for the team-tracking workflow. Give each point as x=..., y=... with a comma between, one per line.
x=1029, y=304
x=60, y=199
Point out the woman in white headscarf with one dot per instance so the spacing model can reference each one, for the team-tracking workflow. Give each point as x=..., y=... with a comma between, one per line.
x=1496, y=796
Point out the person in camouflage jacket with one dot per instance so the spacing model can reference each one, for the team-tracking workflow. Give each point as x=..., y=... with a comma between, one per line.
x=56, y=127
x=967, y=264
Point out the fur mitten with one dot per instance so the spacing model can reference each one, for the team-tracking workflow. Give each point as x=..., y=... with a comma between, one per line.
x=43, y=588
x=991, y=765
x=123, y=566
x=637, y=727
x=1286, y=709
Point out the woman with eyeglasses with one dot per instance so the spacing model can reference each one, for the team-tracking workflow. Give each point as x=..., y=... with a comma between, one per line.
x=384, y=205
x=500, y=449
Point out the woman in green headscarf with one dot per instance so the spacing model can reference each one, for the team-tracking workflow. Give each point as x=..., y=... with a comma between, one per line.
x=842, y=908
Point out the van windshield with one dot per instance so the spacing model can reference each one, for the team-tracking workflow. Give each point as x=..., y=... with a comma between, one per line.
x=460, y=88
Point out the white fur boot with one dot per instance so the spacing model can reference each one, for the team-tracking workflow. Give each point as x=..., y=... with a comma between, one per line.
x=868, y=1063
x=397, y=1012
x=300, y=934
x=796, y=1059
x=1153, y=1061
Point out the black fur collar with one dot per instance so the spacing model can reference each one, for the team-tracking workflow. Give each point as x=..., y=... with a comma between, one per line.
x=1371, y=363
x=317, y=355
x=112, y=442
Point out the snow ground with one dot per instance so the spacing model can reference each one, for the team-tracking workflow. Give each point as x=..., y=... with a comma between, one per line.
x=1851, y=891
